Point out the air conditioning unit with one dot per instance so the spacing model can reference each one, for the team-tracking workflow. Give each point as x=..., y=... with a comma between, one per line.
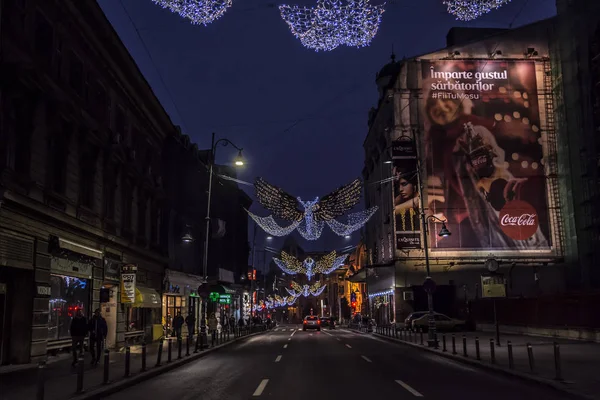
x=408, y=296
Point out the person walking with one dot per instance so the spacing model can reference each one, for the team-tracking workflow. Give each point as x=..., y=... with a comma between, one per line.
x=190, y=321
x=178, y=324
x=213, y=324
x=78, y=330
x=98, y=331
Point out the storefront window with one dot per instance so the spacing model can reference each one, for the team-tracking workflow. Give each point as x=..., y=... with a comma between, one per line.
x=171, y=306
x=136, y=318
x=68, y=295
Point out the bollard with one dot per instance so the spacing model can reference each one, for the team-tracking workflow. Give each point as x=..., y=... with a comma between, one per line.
x=41, y=376
x=144, y=354
x=127, y=361
x=228, y=337
x=477, y=353
x=80, y=370
x=179, y=344
x=465, y=346
x=169, y=348
x=530, y=356
x=557, y=366
x=492, y=351
x=453, y=344
x=511, y=360
x=106, y=364
x=197, y=343
x=421, y=333
x=444, y=342
x=187, y=346
x=159, y=354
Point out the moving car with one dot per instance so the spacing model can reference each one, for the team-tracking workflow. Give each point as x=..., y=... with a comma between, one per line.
x=325, y=322
x=311, y=322
x=442, y=322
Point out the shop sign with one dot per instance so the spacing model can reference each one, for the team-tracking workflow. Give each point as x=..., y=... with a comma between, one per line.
x=220, y=298
x=64, y=266
x=128, y=276
x=43, y=290
x=112, y=269
x=493, y=286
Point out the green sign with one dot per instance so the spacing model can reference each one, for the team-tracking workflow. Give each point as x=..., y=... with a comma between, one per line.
x=214, y=296
x=220, y=298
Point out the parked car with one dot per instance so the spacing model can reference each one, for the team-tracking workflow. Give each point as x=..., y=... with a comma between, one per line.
x=442, y=322
x=411, y=317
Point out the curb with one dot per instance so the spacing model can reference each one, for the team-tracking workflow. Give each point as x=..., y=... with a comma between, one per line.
x=515, y=374
x=111, y=388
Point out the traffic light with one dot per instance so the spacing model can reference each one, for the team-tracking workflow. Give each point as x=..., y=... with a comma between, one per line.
x=353, y=304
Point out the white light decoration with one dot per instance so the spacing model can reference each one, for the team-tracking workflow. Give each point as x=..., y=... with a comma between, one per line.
x=333, y=23
x=355, y=221
x=468, y=10
x=298, y=290
x=387, y=292
x=309, y=267
x=269, y=225
x=200, y=12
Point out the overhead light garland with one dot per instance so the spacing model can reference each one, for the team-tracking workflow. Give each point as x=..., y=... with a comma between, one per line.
x=200, y=12
x=333, y=23
x=298, y=290
x=468, y=10
x=309, y=267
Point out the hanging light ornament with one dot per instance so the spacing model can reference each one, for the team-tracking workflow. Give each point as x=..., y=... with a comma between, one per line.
x=468, y=10
x=309, y=267
x=331, y=23
x=200, y=12
x=298, y=290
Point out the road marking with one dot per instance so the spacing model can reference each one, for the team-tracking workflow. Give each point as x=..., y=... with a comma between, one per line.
x=275, y=330
x=289, y=339
x=410, y=389
x=367, y=359
x=283, y=330
x=261, y=387
x=338, y=339
x=292, y=333
x=327, y=333
x=278, y=358
x=348, y=346
x=285, y=346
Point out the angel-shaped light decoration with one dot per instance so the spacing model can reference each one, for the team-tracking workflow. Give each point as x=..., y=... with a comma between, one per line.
x=326, y=265
x=468, y=10
x=316, y=214
x=298, y=290
x=199, y=12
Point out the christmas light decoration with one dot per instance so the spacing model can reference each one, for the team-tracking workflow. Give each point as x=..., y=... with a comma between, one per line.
x=468, y=10
x=326, y=265
x=333, y=23
x=269, y=225
x=200, y=12
x=298, y=290
x=387, y=292
x=355, y=221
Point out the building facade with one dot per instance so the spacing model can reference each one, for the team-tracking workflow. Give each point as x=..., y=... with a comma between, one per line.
x=467, y=135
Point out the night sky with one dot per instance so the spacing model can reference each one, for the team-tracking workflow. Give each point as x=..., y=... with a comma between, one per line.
x=301, y=116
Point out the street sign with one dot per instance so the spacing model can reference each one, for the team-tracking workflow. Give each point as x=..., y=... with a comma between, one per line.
x=492, y=286
x=203, y=291
x=429, y=285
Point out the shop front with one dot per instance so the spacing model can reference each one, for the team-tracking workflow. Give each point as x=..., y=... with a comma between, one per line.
x=180, y=295
x=381, y=288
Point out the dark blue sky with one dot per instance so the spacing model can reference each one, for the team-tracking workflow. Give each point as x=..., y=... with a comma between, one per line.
x=300, y=116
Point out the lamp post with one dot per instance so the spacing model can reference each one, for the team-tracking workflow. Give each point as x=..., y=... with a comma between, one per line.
x=239, y=161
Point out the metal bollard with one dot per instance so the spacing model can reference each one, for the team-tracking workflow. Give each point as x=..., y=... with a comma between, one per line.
x=179, y=344
x=169, y=348
x=511, y=360
x=144, y=354
x=197, y=343
x=80, y=370
x=41, y=376
x=557, y=366
x=421, y=333
x=187, y=346
x=127, y=361
x=444, y=342
x=159, y=354
x=530, y=356
x=477, y=353
x=492, y=351
x=465, y=346
x=228, y=338
x=105, y=378
x=453, y=344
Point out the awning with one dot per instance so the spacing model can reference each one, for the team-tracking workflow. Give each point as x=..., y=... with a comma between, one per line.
x=79, y=248
x=360, y=276
x=146, y=298
x=221, y=289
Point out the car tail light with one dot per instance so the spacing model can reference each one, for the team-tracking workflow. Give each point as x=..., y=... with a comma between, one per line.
x=319, y=322
x=304, y=322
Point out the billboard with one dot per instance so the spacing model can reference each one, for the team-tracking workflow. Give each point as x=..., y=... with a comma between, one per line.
x=406, y=194
x=484, y=155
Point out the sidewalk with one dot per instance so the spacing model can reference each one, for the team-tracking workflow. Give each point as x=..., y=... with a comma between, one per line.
x=579, y=361
x=61, y=377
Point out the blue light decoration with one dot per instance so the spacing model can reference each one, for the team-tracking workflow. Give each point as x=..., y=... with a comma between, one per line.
x=468, y=10
x=199, y=12
x=298, y=290
x=316, y=213
x=333, y=23
x=309, y=267
x=385, y=293
x=275, y=302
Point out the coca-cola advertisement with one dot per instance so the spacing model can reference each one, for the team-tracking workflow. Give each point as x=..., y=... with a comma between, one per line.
x=484, y=155
x=406, y=194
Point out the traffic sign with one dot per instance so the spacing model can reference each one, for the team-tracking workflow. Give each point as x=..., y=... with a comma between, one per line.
x=429, y=285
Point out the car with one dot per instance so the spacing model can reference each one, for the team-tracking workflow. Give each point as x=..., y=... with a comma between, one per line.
x=325, y=322
x=311, y=322
x=442, y=322
x=408, y=322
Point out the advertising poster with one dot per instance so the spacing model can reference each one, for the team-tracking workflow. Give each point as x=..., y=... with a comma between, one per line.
x=406, y=194
x=484, y=157
x=128, y=281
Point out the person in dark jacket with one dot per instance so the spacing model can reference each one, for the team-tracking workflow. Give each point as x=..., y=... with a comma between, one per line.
x=98, y=331
x=190, y=321
x=78, y=330
x=178, y=324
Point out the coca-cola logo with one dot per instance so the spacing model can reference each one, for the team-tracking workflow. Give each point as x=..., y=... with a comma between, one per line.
x=518, y=220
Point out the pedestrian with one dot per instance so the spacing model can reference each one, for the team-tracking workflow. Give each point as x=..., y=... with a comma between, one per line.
x=232, y=323
x=78, y=330
x=241, y=322
x=190, y=321
x=98, y=331
x=213, y=324
x=178, y=324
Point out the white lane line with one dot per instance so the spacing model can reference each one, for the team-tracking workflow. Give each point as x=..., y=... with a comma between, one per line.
x=338, y=339
x=327, y=333
x=278, y=358
x=348, y=346
x=410, y=389
x=367, y=359
x=293, y=333
x=283, y=330
x=289, y=339
x=285, y=346
x=261, y=387
x=275, y=330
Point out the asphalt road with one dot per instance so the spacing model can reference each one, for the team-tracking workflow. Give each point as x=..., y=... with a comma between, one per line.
x=289, y=364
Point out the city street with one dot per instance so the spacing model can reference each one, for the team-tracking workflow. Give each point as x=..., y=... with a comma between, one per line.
x=288, y=363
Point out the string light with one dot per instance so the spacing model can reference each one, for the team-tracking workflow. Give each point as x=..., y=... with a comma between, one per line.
x=355, y=222
x=387, y=292
x=200, y=12
x=269, y=225
x=468, y=10
x=332, y=23
x=298, y=290
x=309, y=267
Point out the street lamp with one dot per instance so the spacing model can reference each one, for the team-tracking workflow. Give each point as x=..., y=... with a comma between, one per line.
x=239, y=161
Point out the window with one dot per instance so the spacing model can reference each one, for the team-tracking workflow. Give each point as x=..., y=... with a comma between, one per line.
x=59, y=152
x=99, y=100
x=141, y=219
x=135, y=319
x=76, y=73
x=87, y=177
x=110, y=191
x=43, y=38
x=171, y=306
x=68, y=295
x=127, y=204
x=121, y=125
